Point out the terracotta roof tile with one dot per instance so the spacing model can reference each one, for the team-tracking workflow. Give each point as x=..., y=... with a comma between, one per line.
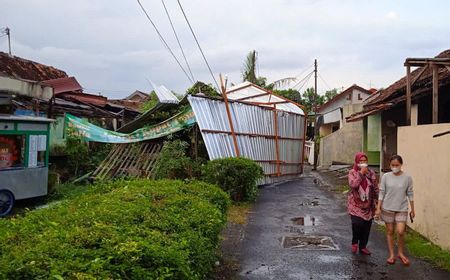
x=21, y=68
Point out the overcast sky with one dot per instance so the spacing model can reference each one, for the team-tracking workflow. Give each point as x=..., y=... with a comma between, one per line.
x=110, y=47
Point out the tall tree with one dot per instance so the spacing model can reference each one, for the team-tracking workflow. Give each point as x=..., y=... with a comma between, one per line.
x=201, y=87
x=291, y=94
x=249, y=70
x=310, y=99
x=330, y=94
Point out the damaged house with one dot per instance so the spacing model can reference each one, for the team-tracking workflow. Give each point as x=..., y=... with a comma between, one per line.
x=34, y=89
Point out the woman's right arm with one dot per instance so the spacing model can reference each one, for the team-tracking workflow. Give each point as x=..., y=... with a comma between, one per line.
x=381, y=194
x=354, y=179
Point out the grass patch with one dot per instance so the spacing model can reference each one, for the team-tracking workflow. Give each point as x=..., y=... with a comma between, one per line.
x=238, y=212
x=420, y=247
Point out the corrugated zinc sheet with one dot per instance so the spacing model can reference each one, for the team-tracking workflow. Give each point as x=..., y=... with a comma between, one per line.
x=248, y=92
x=164, y=94
x=255, y=133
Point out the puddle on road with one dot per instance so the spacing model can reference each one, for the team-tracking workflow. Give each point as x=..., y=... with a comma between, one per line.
x=305, y=221
x=310, y=203
x=292, y=229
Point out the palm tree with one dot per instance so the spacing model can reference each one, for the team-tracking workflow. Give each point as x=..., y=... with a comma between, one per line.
x=249, y=70
x=249, y=74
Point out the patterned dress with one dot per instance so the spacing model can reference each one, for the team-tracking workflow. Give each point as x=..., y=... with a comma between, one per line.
x=357, y=207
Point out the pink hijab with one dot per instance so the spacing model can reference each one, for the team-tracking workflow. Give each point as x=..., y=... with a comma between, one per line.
x=358, y=157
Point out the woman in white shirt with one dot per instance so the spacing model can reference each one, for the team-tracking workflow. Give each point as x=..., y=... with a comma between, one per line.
x=395, y=192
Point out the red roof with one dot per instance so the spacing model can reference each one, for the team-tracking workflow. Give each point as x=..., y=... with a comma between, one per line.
x=60, y=85
x=396, y=92
x=343, y=94
x=399, y=87
x=86, y=98
x=21, y=68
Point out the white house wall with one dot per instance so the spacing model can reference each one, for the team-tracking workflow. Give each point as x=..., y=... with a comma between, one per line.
x=20, y=87
x=333, y=116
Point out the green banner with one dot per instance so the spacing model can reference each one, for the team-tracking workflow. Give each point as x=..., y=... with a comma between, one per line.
x=95, y=133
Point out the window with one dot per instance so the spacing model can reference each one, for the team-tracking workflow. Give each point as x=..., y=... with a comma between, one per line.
x=359, y=96
x=37, y=150
x=335, y=128
x=349, y=97
x=12, y=149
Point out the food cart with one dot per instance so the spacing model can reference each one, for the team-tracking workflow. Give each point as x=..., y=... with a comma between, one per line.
x=24, y=145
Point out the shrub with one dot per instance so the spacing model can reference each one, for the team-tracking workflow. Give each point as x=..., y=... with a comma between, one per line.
x=139, y=229
x=82, y=157
x=173, y=163
x=237, y=176
x=53, y=181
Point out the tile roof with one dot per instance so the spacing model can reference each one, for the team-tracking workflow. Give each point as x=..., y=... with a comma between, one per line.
x=60, y=85
x=399, y=87
x=343, y=94
x=21, y=68
x=396, y=92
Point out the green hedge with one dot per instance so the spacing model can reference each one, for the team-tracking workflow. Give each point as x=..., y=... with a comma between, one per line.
x=138, y=229
x=237, y=176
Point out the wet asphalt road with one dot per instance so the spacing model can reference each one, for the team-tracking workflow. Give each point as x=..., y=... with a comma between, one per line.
x=263, y=256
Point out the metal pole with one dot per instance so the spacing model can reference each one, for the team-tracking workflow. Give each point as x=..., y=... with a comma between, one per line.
x=7, y=30
x=230, y=121
x=316, y=129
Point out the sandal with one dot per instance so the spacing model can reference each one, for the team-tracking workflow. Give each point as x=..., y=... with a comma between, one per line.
x=404, y=260
x=391, y=261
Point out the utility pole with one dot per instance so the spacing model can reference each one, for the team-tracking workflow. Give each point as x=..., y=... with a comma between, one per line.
x=7, y=31
x=316, y=129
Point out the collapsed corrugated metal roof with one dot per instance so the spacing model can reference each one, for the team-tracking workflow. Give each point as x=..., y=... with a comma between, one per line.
x=166, y=100
x=164, y=95
x=21, y=68
x=272, y=138
x=250, y=93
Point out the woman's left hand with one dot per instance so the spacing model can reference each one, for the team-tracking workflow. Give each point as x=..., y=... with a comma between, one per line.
x=413, y=214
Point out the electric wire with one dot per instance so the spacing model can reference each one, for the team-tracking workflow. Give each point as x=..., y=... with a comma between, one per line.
x=198, y=44
x=323, y=80
x=306, y=77
x=178, y=40
x=304, y=70
x=164, y=41
x=306, y=81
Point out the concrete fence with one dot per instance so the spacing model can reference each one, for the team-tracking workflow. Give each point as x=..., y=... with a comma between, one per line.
x=427, y=160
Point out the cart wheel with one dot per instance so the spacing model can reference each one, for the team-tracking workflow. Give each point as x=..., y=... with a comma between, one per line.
x=6, y=202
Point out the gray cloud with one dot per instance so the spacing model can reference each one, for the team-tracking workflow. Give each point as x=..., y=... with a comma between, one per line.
x=110, y=46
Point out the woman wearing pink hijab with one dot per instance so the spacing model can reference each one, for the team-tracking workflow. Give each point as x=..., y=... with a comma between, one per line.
x=361, y=202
